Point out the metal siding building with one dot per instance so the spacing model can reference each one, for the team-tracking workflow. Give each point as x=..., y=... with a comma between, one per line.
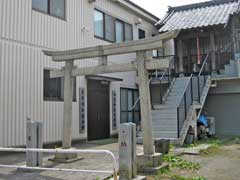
x=24, y=33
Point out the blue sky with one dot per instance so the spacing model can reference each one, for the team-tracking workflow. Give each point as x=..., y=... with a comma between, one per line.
x=159, y=7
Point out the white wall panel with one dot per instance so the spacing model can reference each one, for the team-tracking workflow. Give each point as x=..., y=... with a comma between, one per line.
x=23, y=34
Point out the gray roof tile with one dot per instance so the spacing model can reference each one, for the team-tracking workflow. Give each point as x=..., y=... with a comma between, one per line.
x=198, y=15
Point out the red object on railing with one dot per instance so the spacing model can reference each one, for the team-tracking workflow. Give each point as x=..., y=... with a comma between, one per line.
x=198, y=51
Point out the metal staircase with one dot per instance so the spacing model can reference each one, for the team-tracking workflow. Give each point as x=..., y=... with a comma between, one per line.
x=164, y=116
x=180, y=107
x=230, y=70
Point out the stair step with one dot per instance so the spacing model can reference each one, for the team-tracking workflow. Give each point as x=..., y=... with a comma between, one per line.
x=158, y=135
x=161, y=127
x=165, y=116
x=173, y=99
x=164, y=128
x=165, y=110
x=163, y=121
x=166, y=135
x=162, y=107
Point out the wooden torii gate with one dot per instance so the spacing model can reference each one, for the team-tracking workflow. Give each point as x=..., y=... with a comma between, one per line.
x=141, y=65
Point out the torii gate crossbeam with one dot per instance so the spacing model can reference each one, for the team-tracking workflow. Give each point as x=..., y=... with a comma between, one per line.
x=142, y=65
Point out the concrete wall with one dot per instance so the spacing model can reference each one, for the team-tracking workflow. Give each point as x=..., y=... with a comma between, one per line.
x=23, y=34
x=223, y=103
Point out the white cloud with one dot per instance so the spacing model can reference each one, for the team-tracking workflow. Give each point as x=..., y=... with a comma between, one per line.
x=160, y=7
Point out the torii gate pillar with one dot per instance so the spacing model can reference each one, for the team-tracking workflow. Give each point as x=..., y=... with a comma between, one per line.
x=67, y=116
x=149, y=161
x=145, y=103
x=68, y=97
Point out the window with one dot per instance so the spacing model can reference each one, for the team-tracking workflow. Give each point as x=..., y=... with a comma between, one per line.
x=53, y=88
x=119, y=31
x=57, y=8
x=99, y=24
x=141, y=34
x=41, y=5
x=128, y=32
x=52, y=7
x=111, y=29
x=128, y=99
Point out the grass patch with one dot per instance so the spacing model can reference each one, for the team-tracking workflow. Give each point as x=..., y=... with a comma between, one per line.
x=210, y=151
x=212, y=141
x=178, y=162
x=178, y=177
x=164, y=170
x=231, y=141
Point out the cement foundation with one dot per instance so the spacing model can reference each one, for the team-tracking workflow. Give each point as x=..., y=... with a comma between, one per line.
x=149, y=164
x=65, y=158
x=137, y=178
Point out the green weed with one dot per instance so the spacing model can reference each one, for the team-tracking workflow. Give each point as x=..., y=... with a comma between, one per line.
x=178, y=177
x=176, y=161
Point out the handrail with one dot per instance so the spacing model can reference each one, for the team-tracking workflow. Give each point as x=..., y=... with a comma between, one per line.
x=204, y=63
x=63, y=151
x=160, y=79
x=172, y=61
x=138, y=99
x=187, y=104
x=185, y=89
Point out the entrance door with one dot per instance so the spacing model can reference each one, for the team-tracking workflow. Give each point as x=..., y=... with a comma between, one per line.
x=98, y=110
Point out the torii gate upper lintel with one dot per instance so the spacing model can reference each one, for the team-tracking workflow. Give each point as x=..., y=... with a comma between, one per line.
x=141, y=65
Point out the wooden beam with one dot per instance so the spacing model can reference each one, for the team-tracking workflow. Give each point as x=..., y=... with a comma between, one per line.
x=106, y=69
x=180, y=54
x=112, y=49
x=213, y=49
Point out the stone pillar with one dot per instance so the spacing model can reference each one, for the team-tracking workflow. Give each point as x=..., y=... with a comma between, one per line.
x=180, y=55
x=67, y=117
x=213, y=49
x=68, y=97
x=146, y=116
x=125, y=152
x=34, y=141
x=134, y=149
x=148, y=162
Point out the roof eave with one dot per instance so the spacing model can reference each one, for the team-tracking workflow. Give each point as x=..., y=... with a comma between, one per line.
x=138, y=10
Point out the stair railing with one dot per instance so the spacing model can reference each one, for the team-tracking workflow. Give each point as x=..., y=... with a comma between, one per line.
x=170, y=74
x=200, y=76
x=170, y=77
x=138, y=99
x=185, y=104
x=188, y=96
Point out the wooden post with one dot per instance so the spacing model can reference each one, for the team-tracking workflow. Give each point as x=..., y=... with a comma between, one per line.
x=234, y=35
x=68, y=97
x=145, y=104
x=213, y=49
x=180, y=54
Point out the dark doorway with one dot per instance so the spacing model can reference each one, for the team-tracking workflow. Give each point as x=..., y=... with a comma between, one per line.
x=98, y=109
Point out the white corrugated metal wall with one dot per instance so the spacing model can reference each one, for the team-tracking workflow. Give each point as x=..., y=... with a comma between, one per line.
x=23, y=34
